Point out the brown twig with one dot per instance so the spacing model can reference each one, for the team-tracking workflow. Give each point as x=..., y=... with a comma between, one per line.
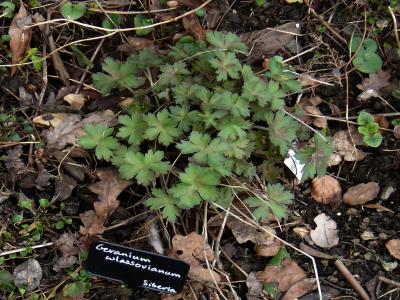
x=352, y=280
x=389, y=281
x=326, y=24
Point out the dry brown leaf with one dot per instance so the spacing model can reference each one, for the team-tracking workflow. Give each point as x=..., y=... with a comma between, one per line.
x=382, y=122
x=302, y=232
x=254, y=287
x=344, y=147
x=193, y=249
x=244, y=232
x=320, y=122
x=394, y=248
x=193, y=26
x=66, y=244
x=92, y=225
x=20, y=36
x=108, y=189
x=396, y=131
x=70, y=129
x=309, y=105
x=267, y=41
x=136, y=44
x=361, y=193
x=268, y=250
x=327, y=190
x=50, y=119
x=285, y=275
x=325, y=235
x=378, y=207
x=300, y=289
x=75, y=100
x=371, y=85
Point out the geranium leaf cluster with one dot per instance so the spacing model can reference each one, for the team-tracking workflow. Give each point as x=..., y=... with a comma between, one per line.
x=208, y=121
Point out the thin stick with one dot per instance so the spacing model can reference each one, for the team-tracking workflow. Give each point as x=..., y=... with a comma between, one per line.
x=389, y=281
x=351, y=279
x=396, y=33
x=22, y=249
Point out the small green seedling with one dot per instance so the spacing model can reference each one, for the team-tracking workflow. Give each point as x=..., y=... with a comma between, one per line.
x=366, y=59
x=369, y=129
x=73, y=11
x=111, y=21
x=8, y=10
x=141, y=21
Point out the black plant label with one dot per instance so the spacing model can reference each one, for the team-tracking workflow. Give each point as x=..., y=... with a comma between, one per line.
x=136, y=268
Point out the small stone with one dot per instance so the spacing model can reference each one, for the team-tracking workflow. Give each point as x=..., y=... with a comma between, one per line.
x=368, y=235
x=28, y=274
x=361, y=193
x=387, y=191
x=172, y=4
x=389, y=266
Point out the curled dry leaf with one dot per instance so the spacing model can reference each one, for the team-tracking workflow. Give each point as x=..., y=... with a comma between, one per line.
x=267, y=41
x=343, y=145
x=286, y=274
x=371, y=85
x=136, y=44
x=75, y=100
x=193, y=249
x=193, y=26
x=20, y=36
x=327, y=190
x=263, y=238
x=70, y=129
x=361, y=193
x=394, y=248
x=269, y=249
x=396, y=131
x=309, y=105
x=66, y=244
x=300, y=289
x=254, y=287
x=382, y=122
x=107, y=189
x=50, y=119
x=92, y=225
x=325, y=235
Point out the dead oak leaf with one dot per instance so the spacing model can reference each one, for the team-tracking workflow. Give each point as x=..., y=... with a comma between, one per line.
x=193, y=249
x=361, y=193
x=394, y=248
x=326, y=190
x=286, y=275
x=107, y=189
x=325, y=235
x=20, y=35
